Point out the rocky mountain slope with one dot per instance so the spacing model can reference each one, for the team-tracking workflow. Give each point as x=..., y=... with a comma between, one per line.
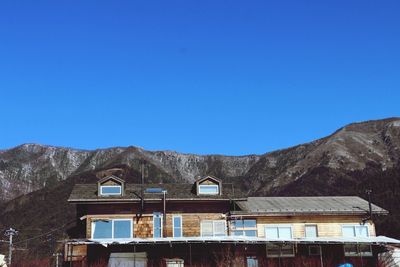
x=357, y=157
x=30, y=167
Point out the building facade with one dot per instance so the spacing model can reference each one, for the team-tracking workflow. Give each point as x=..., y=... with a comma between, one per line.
x=209, y=223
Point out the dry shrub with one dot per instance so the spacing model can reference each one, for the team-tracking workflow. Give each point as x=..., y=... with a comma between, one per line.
x=227, y=258
x=33, y=263
x=99, y=263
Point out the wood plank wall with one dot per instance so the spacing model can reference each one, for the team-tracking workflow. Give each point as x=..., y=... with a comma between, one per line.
x=143, y=227
x=328, y=226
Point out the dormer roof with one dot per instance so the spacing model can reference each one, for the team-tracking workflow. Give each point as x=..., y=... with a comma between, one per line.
x=208, y=177
x=111, y=177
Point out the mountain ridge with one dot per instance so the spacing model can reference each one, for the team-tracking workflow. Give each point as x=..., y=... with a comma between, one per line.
x=354, y=158
x=32, y=166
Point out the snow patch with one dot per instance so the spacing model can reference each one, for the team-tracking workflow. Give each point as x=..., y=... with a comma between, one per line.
x=395, y=124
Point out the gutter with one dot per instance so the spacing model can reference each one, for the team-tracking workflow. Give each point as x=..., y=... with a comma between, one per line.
x=149, y=199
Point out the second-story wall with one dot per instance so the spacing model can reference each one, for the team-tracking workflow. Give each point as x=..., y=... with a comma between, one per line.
x=327, y=225
x=142, y=227
x=142, y=223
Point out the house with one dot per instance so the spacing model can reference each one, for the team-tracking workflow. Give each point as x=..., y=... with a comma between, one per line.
x=209, y=223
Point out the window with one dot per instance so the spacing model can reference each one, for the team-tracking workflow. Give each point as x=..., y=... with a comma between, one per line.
x=311, y=231
x=112, y=229
x=157, y=224
x=174, y=262
x=356, y=249
x=251, y=261
x=177, y=225
x=209, y=189
x=278, y=232
x=109, y=190
x=244, y=228
x=274, y=251
x=314, y=250
x=355, y=230
x=213, y=228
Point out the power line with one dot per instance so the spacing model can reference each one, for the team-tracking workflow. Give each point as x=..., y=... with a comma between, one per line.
x=49, y=232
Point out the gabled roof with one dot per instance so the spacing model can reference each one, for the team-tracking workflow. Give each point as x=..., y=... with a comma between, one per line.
x=111, y=177
x=88, y=193
x=306, y=205
x=208, y=177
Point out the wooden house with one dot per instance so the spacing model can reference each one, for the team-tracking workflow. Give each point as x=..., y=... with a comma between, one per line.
x=209, y=223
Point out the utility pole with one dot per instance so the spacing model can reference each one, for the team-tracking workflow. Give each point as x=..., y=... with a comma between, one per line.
x=57, y=255
x=10, y=233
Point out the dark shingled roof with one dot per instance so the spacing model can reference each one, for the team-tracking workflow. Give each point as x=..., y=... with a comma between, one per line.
x=88, y=193
x=309, y=205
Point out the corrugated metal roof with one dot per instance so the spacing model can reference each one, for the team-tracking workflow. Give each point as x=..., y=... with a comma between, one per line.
x=373, y=240
x=294, y=205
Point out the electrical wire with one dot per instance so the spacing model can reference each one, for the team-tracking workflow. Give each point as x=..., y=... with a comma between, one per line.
x=49, y=232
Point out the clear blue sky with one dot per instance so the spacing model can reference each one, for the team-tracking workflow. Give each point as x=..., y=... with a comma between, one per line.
x=228, y=77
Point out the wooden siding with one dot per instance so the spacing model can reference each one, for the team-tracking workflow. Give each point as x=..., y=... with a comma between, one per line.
x=209, y=182
x=111, y=182
x=143, y=227
x=75, y=252
x=191, y=222
x=327, y=226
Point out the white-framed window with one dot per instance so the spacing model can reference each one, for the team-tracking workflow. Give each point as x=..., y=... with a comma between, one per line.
x=209, y=189
x=177, y=225
x=110, y=190
x=278, y=231
x=310, y=230
x=112, y=228
x=244, y=227
x=213, y=228
x=157, y=224
x=356, y=230
x=280, y=250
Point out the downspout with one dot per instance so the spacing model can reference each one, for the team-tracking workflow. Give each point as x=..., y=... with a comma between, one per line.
x=164, y=213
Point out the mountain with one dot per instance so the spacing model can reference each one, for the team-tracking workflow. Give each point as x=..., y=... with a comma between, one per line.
x=36, y=180
x=30, y=167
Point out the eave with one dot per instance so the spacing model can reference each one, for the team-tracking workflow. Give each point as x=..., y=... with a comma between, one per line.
x=135, y=200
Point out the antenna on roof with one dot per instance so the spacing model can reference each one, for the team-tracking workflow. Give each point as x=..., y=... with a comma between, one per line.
x=142, y=165
x=369, y=217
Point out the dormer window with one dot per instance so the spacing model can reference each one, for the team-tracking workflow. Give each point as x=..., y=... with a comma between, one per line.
x=111, y=186
x=208, y=185
x=209, y=189
x=108, y=190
